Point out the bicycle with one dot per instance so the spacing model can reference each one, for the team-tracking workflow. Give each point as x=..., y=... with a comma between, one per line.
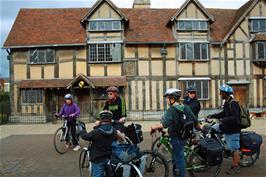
x=63, y=138
x=149, y=158
x=195, y=164
x=247, y=156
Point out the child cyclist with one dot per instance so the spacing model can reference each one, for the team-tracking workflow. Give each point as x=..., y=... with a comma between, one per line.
x=102, y=137
x=70, y=111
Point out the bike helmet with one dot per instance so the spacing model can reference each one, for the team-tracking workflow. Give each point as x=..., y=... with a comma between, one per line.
x=68, y=97
x=191, y=89
x=112, y=89
x=226, y=89
x=106, y=115
x=173, y=92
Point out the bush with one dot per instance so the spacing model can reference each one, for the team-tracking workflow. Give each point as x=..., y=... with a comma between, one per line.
x=4, y=108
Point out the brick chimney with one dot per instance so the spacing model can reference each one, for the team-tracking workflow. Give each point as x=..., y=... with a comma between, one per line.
x=141, y=4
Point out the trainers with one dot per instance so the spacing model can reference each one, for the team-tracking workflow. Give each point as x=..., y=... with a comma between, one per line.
x=76, y=148
x=233, y=170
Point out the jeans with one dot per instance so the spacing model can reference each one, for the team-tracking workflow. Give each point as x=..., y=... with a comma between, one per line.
x=72, y=126
x=98, y=168
x=178, y=156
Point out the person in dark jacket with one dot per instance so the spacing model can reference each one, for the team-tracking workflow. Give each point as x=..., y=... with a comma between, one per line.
x=70, y=111
x=170, y=120
x=192, y=101
x=101, y=137
x=117, y=106
x=230, y=125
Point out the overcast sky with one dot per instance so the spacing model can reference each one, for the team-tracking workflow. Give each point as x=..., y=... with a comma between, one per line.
x=10, y=8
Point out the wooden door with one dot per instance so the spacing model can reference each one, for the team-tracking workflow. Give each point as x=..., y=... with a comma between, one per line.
x=241, y=94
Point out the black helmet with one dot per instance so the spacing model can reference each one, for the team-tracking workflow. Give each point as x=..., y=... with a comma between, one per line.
x=106, y=115
x=191, y=88
x=173, y=92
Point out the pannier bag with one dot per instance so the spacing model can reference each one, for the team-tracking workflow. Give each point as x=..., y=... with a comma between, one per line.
x=250, y=140
x=134, y=133
x=211, y=151
x=80, y=126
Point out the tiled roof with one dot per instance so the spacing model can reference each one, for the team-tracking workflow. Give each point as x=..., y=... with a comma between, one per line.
x=260, y=37
x=44, y=27
x=45, y=83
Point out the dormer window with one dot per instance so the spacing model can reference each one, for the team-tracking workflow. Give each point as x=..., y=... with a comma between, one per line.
x=258, y=25
x=192, y=25
x=104, y=25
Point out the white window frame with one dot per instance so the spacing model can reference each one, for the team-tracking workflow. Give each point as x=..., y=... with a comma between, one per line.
x=113, y=60
x=193, y=52
x=194, y=79
x=45, y=56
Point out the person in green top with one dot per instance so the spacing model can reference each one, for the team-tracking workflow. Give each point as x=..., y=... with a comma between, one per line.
x=170, y=121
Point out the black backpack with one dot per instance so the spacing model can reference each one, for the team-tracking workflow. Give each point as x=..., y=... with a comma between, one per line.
x=134, y=133
x=185, y=124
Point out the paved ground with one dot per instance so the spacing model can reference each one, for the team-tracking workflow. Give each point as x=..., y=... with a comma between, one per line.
x=27, y=150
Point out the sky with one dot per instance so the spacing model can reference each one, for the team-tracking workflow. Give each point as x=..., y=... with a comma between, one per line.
x=10, y=8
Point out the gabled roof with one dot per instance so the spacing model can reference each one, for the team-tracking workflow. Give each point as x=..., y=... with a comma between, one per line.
x=97, y=4
x=185, y=4
x=78, y=78
x=240, y=15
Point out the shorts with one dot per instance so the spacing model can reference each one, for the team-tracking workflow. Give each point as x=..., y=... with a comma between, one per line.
x=232, y=141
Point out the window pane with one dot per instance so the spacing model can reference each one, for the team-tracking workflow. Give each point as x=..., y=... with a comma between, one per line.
x=255, y=25
x=188, y=25
x=181, y=25
x=183, y=51
x=101, y=25
x=41, y=56
x=197, y=50
x=261, y=51
x=205, y=89
x=92, y=52
x=204, y=51
x=108, y=25
x=116, y=25
x=203, y=25
x=116, y=52
x=196, y=25
x=198, y=87
x=93, y=25
x=108, y=52
x=262, y=25
x=49, y=55
x=101, y=52
x=33, y=56
x=189, y=51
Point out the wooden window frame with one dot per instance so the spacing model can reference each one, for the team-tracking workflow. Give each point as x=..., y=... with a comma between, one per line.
x=105, y=23
x=36, y=94
x=193, y=51
x=193, y=22
x=31, y=61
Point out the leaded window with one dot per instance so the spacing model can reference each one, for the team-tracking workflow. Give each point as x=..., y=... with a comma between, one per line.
x=104, y=52
x=202, y=87
x=41, y=56
x=258, y=25
x=194, y=51
x=192, y=25
x=104, y=25
x=32, y=96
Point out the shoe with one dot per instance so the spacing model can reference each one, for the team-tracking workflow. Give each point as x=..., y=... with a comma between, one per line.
x=76, y=148
x=233, y=170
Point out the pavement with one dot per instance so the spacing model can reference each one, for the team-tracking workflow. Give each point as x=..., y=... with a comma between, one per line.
x=27, y=151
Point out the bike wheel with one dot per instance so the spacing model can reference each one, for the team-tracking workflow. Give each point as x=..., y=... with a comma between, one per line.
x=84, y=164
x=248, y=159
x=59, y=141
x=158, y=147
x=197, y=167
x=154, y=164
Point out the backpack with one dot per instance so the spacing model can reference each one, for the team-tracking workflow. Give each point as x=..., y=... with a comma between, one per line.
x=245, y=121
x=134, y=133
x=186, y=125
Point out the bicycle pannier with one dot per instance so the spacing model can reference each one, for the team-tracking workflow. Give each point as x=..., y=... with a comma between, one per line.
x=211, y=151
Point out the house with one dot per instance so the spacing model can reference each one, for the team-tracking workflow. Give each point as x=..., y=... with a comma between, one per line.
x=141, y=50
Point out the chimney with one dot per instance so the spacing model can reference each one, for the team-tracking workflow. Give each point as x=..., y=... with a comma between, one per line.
x=141, y=4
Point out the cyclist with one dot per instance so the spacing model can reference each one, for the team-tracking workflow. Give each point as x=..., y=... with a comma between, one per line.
x=192, y=101
x=117, y=106
x=230, y=125
x=169, y=121
x=70, y=111
x=102, y=137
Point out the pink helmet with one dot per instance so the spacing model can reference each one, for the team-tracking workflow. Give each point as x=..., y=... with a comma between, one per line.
x=112, y=89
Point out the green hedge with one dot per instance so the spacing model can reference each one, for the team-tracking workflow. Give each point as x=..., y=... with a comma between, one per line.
x=4, y=108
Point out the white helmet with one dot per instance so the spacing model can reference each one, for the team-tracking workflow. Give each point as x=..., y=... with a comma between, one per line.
x=173, y=92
